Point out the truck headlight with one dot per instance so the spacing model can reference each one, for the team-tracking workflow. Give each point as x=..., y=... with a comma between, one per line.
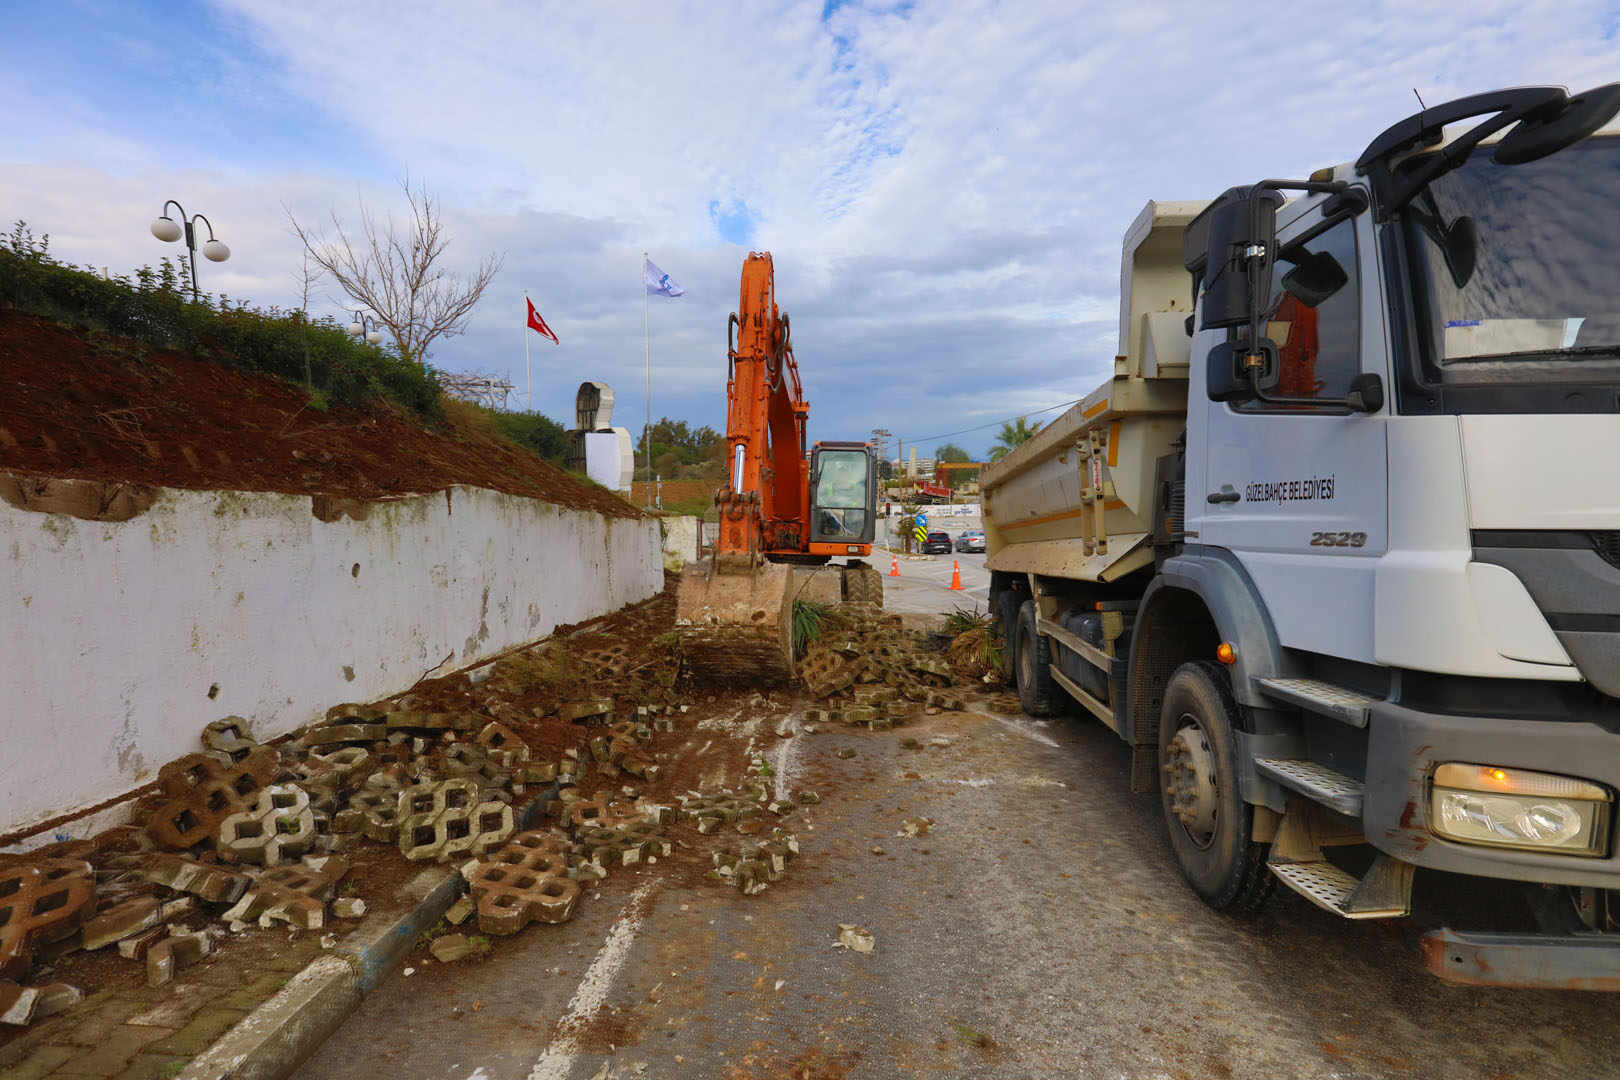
x=1484, y=804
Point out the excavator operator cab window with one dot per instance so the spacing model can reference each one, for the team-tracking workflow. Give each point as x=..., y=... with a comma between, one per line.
x=841, y=506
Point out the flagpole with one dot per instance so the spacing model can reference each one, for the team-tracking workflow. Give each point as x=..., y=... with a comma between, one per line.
x=528, y=380
x=646, y=344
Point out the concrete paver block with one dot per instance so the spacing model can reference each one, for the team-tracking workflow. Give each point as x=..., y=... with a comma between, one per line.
x=295, y=895
x=40, y=902
x=443, y=820
x=230, y=736
x=524, y=881
x=200, y=792
x=280, y=826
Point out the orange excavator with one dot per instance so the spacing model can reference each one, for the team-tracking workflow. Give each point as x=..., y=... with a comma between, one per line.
x=787, y=509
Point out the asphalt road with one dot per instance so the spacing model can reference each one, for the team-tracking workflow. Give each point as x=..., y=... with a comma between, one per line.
x=1038, y=929
x=923, y=587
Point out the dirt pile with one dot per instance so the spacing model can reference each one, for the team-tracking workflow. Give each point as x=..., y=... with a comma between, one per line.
x=98, y=409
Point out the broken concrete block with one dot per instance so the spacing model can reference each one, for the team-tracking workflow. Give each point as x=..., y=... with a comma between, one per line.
x=459, y=911
x=450, y=948
x=855, y=938
x=915, y=826
x=443, y=820
x=210, y=883
x=576, y=712
x=136, y=946
x=295, y=895
x=168, y=957
x=131, y=917
x=22, y=1005
x=348, y=907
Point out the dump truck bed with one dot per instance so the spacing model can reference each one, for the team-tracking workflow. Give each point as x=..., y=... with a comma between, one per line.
x=1075, y=500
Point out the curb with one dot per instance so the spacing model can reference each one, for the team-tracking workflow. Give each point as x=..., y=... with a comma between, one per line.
x=281, y=1034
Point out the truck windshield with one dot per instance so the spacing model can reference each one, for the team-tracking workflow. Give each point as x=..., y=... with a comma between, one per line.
x=1516, y=269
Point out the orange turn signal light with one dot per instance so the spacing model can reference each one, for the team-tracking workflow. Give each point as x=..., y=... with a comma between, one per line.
x=1225, y=653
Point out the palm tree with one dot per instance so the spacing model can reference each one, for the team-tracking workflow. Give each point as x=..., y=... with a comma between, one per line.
x=1013, y=434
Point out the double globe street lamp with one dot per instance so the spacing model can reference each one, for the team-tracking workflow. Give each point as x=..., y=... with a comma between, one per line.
x=364, y=324
x=168, y=230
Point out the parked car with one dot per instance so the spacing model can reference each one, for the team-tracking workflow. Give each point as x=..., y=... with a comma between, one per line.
x=971, y=540
x=938, y=543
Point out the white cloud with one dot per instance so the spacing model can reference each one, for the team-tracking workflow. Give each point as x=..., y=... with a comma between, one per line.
x=944, y=186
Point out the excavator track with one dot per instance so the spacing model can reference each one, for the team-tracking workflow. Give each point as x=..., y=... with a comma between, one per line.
x=863, y=584
x=734, y=620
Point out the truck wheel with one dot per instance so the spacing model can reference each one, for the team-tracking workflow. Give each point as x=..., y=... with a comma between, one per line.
x=1037, y=693
x=863, y=584
x=1211, y=827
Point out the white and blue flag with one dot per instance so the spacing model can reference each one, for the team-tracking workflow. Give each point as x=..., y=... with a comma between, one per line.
x=659, y=283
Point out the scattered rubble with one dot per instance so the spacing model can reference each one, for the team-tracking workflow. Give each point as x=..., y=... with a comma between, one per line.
x=855, y=938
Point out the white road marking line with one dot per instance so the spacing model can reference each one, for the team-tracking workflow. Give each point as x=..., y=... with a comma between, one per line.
x=559, y=1057
x=784, y=767
x=1021, y=728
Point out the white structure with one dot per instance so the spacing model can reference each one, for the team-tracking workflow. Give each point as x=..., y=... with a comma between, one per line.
x=124, y=638
x=603, y=452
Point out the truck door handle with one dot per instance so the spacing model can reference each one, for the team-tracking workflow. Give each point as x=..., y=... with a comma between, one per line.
x=1227, y=494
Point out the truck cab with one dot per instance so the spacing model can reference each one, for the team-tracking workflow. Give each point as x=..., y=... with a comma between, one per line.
x=1368, y=595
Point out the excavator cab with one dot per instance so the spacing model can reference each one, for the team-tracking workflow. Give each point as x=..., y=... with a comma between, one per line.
x=843, y=499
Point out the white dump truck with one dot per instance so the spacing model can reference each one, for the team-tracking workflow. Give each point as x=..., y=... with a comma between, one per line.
x=1336, y=547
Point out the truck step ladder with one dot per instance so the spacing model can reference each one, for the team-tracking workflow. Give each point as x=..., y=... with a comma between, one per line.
x=1346, y=706
x=1383, y=892
x=1317, y=782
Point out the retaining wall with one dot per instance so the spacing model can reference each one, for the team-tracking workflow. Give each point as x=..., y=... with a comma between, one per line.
x=123, y=638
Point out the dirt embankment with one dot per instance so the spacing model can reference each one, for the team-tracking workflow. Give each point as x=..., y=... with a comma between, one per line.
x=109, y=410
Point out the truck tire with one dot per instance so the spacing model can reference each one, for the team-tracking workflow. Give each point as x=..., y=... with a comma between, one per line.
x=1032, y=666
x=1007, y=603
x=1211, y=827
x=863, y=584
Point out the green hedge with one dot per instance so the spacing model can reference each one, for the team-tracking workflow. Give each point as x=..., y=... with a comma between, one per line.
x=154, y=307
x=535, y=432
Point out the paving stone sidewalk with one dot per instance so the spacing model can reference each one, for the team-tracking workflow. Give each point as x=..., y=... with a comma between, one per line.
x=150, y=1033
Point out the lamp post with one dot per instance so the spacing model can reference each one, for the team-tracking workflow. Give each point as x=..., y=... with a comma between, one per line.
x=168, y=230
x=363, y=324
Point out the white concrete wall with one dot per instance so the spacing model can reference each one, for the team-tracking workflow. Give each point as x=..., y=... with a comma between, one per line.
x=112, y=634
x=681, y=536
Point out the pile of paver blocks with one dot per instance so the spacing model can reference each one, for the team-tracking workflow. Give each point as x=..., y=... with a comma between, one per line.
x=869, y=672
x=241, y=833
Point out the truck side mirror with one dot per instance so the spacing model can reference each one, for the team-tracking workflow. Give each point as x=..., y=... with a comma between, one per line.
x=1242, y=228
x=1227, y=370
x=1366, y=393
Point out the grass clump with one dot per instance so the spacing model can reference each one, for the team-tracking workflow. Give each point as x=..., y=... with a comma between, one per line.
x=809, y=619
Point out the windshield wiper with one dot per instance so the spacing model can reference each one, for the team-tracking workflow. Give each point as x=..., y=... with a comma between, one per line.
x=1576, y=352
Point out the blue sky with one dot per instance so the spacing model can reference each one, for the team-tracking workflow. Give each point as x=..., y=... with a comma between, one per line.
x=943, y=185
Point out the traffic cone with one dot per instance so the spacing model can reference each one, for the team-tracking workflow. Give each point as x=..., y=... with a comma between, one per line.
x=894, y=566
x=956, y=576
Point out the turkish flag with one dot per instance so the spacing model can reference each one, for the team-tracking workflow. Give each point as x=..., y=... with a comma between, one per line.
x=538, y=324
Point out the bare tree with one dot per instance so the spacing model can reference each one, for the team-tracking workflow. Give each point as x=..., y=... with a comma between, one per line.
x=308, y=275
x=394, y=270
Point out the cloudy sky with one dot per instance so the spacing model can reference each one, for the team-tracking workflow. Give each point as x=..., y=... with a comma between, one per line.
x=943, y=184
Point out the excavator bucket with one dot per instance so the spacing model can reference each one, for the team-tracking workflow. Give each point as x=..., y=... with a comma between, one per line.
x=734, y=618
